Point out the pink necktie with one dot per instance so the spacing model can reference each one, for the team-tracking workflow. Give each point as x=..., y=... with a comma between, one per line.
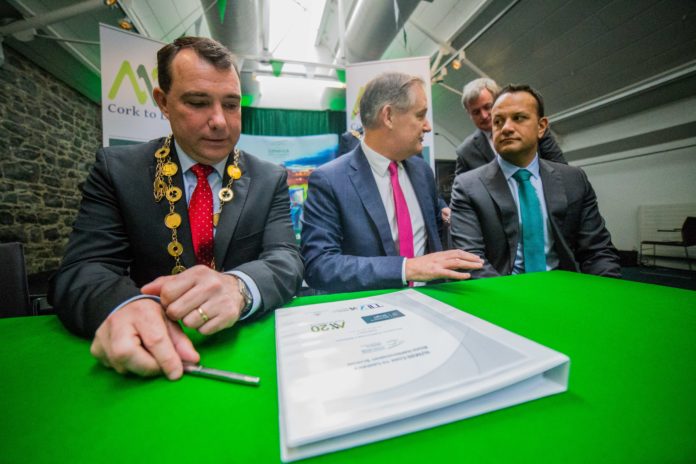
x=403, y=218
x=201, y=215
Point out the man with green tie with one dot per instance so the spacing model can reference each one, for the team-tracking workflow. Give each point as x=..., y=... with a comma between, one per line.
x=521, y=213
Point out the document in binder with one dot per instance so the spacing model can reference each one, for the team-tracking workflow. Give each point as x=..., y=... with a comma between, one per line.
x=357, y=371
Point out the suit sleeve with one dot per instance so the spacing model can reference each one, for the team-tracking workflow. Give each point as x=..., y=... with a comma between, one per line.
x=326, y=267
x=549, y=149
x=466, y=227
x=93, y=277
x=594, y=251
x=460, y=165
x=277, y=271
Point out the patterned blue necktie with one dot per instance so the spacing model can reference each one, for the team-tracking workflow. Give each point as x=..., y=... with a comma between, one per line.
x=532, y=224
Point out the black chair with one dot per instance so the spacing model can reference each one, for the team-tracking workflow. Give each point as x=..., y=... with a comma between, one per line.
x=688, y=233
x=14, y=289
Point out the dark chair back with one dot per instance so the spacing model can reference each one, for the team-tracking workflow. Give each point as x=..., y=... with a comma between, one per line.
x=14, y=289
x=689, y=231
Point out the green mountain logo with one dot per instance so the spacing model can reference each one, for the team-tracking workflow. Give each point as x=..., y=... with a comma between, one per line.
x=126, y=71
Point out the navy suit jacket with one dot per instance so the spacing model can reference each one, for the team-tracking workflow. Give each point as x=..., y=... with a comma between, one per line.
x=475, y=151
x=485, y=220
x=346, y=240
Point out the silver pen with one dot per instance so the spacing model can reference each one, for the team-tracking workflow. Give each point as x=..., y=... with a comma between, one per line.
x=198, y=370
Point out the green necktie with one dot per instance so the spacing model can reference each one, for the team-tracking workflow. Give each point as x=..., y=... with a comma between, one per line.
x=532, y=224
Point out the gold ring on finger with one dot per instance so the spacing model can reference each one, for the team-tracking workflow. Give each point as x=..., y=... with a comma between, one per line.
x=203, y=314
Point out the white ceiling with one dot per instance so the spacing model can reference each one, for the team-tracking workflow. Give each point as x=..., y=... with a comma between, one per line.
x=632, y=54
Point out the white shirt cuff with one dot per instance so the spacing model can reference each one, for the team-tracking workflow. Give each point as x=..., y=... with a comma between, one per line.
x=403, y=272
x=253, y=289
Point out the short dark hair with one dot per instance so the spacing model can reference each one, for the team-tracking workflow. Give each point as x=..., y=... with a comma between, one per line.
x=512, y=88
x=210, y=50
x=391, y=88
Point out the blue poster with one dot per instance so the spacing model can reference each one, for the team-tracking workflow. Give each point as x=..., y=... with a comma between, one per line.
x=299, y=156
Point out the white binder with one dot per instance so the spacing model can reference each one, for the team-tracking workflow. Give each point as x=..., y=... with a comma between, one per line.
x=358, y=371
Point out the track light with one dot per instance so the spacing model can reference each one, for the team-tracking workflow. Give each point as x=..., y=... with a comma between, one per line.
x=125, y=24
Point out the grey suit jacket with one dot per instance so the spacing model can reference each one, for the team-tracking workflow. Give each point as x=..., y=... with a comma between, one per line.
x=475, y=151
x=485, y=220
x=119, y=239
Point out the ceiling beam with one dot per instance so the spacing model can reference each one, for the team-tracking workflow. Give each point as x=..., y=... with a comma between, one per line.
x=629, y=91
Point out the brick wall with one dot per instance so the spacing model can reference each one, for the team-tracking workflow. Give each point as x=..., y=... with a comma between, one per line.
x=48, y=136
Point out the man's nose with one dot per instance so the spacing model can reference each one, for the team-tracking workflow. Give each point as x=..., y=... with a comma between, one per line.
x=507, y=126
x=427, y=127
x=216, y=119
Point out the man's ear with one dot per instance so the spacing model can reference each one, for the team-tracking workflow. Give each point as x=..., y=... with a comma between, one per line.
x=386, y=115
x=543, y=125
x=161, y=99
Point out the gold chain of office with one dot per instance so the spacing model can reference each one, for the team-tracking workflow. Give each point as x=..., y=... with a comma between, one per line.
x=163, y=188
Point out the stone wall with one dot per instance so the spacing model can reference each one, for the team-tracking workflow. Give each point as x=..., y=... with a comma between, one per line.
x=48, y=136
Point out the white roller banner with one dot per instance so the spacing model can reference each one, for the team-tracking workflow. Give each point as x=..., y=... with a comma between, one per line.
x=359, y=74
x=128, y=75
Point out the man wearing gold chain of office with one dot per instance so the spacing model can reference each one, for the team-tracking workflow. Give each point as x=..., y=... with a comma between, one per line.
x=183, y=228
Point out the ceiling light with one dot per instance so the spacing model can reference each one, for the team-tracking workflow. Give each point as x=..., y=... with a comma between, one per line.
x=456, y=65
x=125, y=24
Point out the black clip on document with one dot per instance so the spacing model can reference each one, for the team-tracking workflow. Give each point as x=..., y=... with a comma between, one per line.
x=217, y=374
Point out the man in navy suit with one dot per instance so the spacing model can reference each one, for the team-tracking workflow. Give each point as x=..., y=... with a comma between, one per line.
x=371, y=217
x=477, y=149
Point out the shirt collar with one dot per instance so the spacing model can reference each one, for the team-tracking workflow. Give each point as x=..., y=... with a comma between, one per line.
x=379, y=163
x=187, y=162
x=509, y=169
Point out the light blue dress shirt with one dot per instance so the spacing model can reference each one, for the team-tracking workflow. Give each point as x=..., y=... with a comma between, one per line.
x=509, y=170
x=215, y=181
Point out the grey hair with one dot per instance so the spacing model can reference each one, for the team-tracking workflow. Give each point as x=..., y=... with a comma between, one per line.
x=391, y=88
x=473, y=90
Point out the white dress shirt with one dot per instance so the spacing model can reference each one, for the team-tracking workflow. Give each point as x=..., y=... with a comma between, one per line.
x=380, y=171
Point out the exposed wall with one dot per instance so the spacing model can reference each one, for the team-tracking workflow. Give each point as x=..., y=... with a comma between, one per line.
x=659, y=170
x=48, y=134
x=657, y=175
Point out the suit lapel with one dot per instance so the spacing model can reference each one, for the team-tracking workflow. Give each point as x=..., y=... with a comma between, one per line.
x=494, y=181
x=366, y=188
x=484, y=147
x=554, y=194
x=420, y=187
x=231, y=211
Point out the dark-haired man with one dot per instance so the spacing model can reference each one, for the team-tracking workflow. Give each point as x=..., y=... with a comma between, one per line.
x=183, y=228
x=521, y=213
x=372, y=218
x=477, y=149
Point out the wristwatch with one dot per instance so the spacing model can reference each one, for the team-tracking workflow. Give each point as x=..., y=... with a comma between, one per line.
x=246, y=295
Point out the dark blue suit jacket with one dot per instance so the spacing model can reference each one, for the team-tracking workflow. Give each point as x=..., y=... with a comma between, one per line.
x=346, y=240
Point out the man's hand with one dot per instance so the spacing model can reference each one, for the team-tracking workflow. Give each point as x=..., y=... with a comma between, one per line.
x=200, y=297
x=441, y=265
x=139, y=338
x=446, y=214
